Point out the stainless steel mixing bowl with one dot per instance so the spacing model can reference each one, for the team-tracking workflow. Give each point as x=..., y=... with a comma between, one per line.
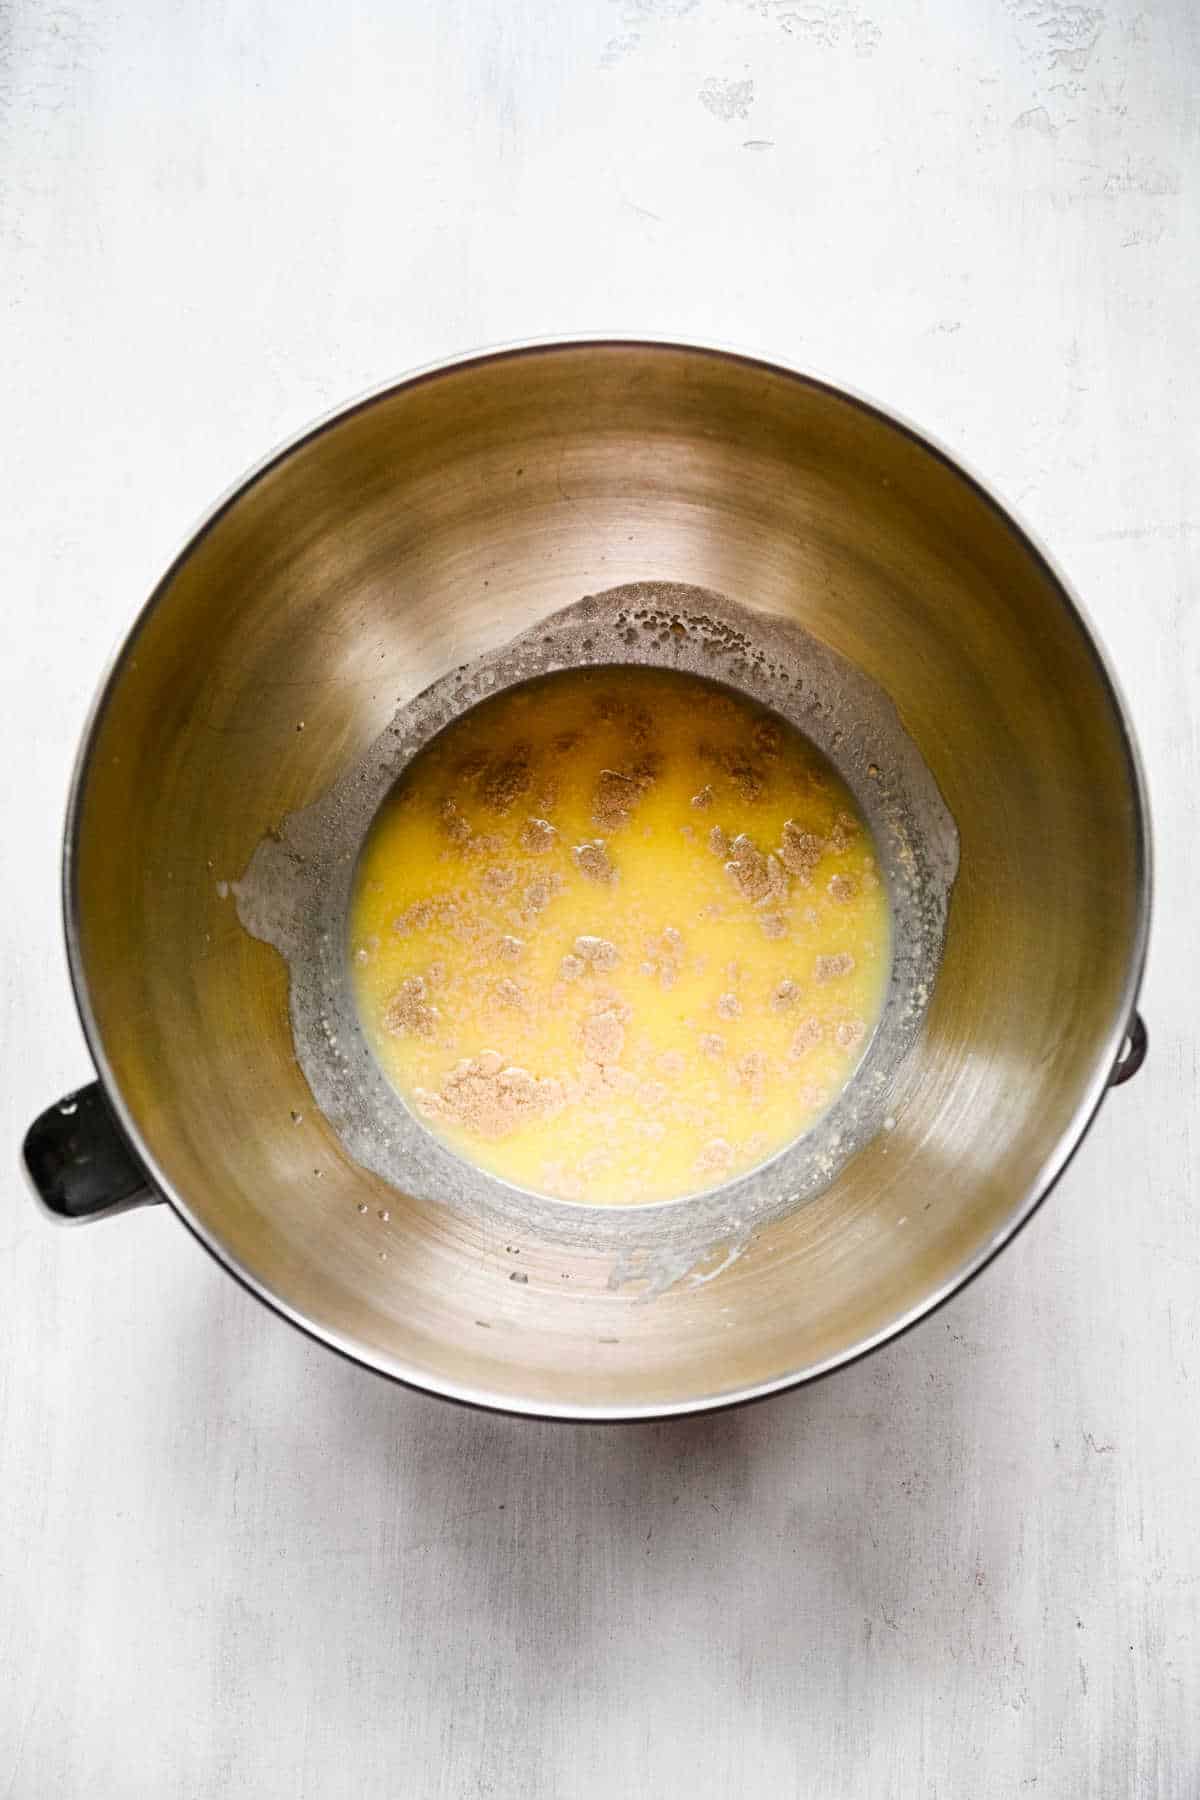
x=426, y=526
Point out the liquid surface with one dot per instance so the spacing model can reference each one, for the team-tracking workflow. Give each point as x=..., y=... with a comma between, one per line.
x=619, y=934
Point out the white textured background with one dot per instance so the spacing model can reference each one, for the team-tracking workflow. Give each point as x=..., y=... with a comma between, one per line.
x=231, y=1565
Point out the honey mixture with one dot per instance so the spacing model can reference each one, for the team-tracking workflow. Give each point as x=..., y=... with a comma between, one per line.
x=618, y=934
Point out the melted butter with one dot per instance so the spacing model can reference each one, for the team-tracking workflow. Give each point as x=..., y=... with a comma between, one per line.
x=618, y=934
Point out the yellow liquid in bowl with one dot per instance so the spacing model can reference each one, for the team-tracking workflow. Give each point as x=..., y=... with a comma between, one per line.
x=619, y=934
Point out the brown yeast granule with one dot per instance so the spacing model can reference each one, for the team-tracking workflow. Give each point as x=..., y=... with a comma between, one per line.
x=800, y=851
x=538, y=836
x=768, y=739
x=487, y=1097
x=409, y=1010
x=597, y=953
x=603, y=1034
x=844, y=832
x=453, y=823
x=749, y=869
x=592, y=860
x=541, y=892
x=614, y=799
x=716, y=1157
x=503, y=783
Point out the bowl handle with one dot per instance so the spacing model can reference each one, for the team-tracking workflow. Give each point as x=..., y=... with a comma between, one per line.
x=79, y=1162
x=1133, y=1051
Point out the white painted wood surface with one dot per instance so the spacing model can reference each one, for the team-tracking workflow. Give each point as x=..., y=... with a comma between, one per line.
x=232, y=1565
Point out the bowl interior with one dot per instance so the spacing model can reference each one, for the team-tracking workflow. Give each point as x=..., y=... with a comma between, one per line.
x=426, y=528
